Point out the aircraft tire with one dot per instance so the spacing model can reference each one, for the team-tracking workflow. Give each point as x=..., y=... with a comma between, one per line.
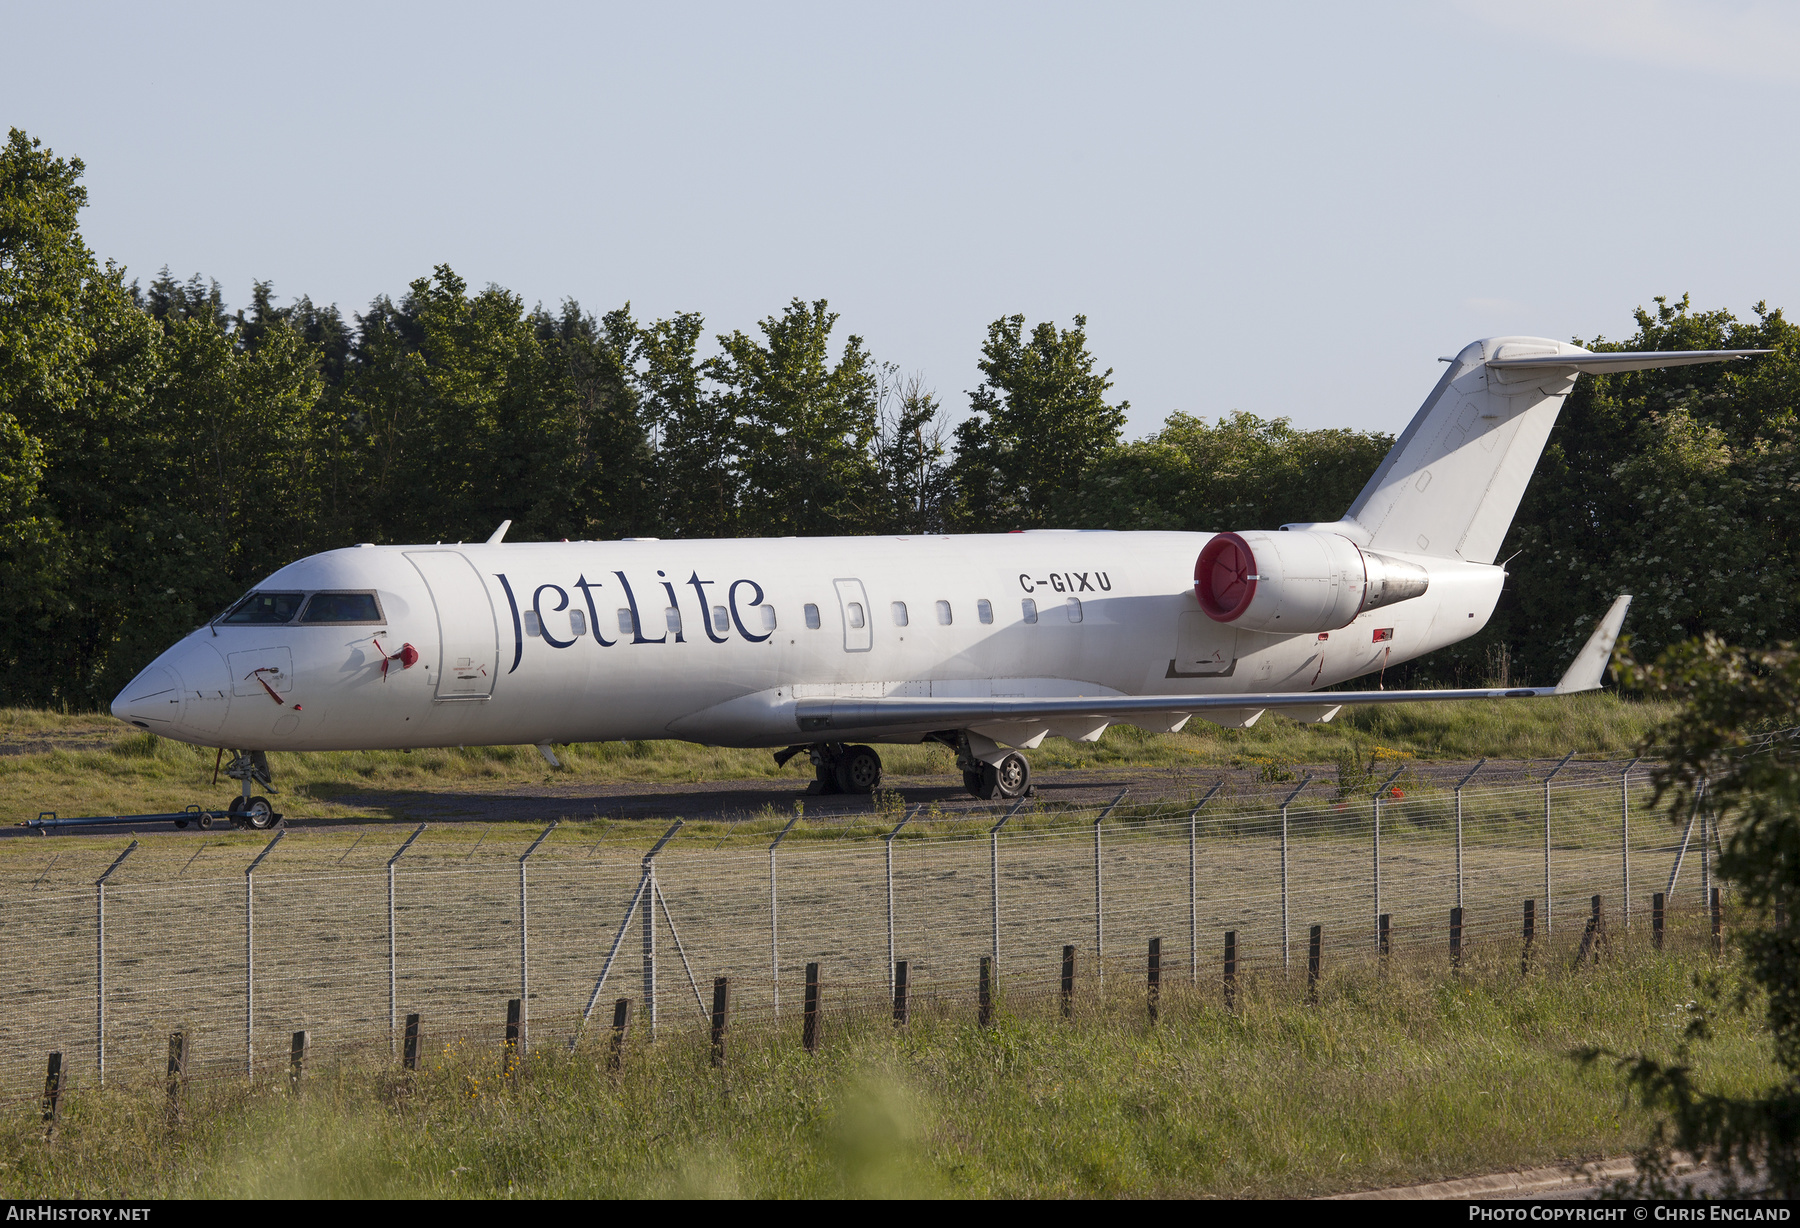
x=859, y=770
x=180, y=823
x=259, y=813
x=1008, y=778
x=972, y=782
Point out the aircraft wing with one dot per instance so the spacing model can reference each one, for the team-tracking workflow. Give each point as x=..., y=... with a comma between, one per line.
x=903, y=714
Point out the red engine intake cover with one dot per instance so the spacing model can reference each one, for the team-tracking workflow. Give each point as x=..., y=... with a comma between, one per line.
x=1225, y=577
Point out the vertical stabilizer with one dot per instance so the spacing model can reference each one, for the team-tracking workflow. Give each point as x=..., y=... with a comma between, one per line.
x=1450, y=485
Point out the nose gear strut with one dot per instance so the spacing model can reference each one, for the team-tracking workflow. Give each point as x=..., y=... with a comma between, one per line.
x=251, y=767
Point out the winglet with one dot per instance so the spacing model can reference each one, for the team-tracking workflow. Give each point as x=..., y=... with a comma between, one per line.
x=1589, y=666
x=499, y=533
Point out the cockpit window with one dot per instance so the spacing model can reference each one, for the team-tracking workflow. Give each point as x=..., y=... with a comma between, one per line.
x=263, y=608
x=342, y=608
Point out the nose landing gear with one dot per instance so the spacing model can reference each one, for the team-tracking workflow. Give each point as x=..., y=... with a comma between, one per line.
x=251, y=767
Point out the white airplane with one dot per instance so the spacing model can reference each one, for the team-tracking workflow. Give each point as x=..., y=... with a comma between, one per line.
x=984, y=643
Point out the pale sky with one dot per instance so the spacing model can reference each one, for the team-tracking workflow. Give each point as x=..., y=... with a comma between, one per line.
x=1288, y=210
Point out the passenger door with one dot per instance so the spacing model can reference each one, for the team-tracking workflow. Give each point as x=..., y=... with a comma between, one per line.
x=853, y=603
x=468, y=641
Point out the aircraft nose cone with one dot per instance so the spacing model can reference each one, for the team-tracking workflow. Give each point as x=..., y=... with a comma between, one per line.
x=152, y=701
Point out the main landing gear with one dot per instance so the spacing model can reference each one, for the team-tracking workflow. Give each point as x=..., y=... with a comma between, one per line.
x=249, y=809
x=1006, y=774
x=838, y=768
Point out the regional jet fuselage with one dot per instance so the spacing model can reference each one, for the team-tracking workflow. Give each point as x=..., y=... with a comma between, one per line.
x=987, y=643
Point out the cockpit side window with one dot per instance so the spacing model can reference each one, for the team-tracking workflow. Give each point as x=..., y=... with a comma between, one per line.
x=342, y=608
x=265, y=608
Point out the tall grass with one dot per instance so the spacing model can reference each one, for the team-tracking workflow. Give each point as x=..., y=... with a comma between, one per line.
x=1397, y=1075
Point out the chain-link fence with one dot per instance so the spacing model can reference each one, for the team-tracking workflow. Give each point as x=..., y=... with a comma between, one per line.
x=241, y=943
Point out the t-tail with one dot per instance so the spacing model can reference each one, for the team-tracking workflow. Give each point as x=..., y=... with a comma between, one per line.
x=1453, y=480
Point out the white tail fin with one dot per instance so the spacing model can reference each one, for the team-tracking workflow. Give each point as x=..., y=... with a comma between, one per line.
x=1452, y=482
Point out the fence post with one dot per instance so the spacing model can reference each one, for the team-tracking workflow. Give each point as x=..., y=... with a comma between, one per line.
x=1705, y=855
x=1656, y=920
x=297, y=1052
x=984, y=993
x=650, y=897
x=1718, y=924
x=411, y=1058
x=1099, y=897
x=175, y=1081
x=721, y=1017
x=1456, y=936
x=1315, y=942
x=1153, y=990
x=100, y=965
x=1548, y=899
x=1459, y=827
x=994, y=876
x=902, y=1004
x=53, y=1081
x=1625, y=842
x=1067, y=991
x=1381, y=792
x=515, y=1019
x=809, y=1018
x=888, y=842
x=393, y=948
x=1285, y=803
x=1230, y=968
x=518, y=1029
x=1384, y=934
x=774, y=918
x=250, y=956
x=1530, y=935
x=1194, y=882
x=621, y=1027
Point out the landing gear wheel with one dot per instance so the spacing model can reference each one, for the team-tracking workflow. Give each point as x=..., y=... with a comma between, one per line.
x=206, y=821
x=972, y=782
x=180, y=823
x=258, y=813
x=825, y=778
x=1008, y=778
x=859, y=770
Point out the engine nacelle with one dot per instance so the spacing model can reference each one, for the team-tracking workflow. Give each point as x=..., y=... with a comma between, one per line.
x=1298, y=582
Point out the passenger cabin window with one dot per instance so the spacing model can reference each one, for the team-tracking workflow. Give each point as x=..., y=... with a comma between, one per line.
x=721, y=619
x=984, y=610
x=577, y=623
x=899, y=613
x=627, y=624
x=342, y=608
x=1074, y=609
x=672, y=617
x=1029, y=607
x=812, y=616
x=856, y=614
x=532, y=625
x=264, y=608
x=943, y=613
x=768, y=618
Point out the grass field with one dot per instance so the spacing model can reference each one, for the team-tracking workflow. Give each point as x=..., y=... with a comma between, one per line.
x=1407, y=1075
x=94, y=764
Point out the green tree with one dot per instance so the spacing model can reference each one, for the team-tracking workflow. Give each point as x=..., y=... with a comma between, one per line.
x=693, y=436
x=609, y=488
x=804, y=425
x=1244, y=473
x=1732, y=737
x=1678, y=485
x=1037, y=423
x=912, y=481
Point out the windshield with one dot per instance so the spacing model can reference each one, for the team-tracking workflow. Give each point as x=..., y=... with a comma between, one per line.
x=265, y=608
x=342, y=608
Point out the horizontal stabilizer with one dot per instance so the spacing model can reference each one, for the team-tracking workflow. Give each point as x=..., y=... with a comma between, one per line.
x=1606, y=364
x=1589, y=666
